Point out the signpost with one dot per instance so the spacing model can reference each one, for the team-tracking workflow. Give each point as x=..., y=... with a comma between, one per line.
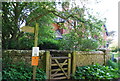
x=27, y=29
x=35, y=50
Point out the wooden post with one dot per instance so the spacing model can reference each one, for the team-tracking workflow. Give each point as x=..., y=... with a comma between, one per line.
x=73, y=62
x=104, y=58
x=105, y=54
x=47, y=64
x=35, y=45
x=69, y=65
x=50, y=62
x=36, y=34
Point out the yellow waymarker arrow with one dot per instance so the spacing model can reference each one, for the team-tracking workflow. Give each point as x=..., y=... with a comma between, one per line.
x=27, y=29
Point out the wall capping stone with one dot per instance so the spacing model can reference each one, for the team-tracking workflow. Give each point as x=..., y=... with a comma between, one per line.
x=89, y=52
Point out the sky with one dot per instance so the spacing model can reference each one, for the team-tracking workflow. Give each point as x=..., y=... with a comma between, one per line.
x=107, y=9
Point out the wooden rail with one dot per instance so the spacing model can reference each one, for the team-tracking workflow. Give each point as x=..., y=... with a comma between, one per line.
x=60, y=57
x=58, y=69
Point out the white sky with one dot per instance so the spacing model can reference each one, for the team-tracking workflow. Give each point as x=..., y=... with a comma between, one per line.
x=107, y=9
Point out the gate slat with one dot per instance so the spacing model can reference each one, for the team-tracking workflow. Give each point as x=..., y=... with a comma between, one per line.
x=61, y=78
x=60, y=57
x=58, y=69
x=61, y=68
x=59, y=63
x=58, y=74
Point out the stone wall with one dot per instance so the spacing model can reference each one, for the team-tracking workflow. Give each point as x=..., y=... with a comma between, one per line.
x=82, y=58
x=19, y=56
x=88, y=58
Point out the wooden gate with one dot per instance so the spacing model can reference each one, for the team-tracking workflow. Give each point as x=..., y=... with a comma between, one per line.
x=58, y=67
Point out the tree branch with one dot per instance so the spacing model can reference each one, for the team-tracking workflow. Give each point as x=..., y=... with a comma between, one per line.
x=38, y=17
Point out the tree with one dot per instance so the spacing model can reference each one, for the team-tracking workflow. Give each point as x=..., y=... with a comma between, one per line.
x=16, y=13
x=86, y=34
x=13, y=13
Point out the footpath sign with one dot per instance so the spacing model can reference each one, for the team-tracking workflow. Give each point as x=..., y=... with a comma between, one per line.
x=35, y=50
x=35, y=56
x=27, y=29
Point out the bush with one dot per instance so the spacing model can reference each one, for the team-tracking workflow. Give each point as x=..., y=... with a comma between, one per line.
x=115, y=49
x=113, y=64
x=49, y=44
x=18, y=72
x=70, y=42
x=96, y=72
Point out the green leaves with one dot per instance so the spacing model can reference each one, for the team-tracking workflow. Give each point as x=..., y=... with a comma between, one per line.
x=22, y=72
x=16, y=13
x=86, y=32
x=96, y=72
x=73, y=42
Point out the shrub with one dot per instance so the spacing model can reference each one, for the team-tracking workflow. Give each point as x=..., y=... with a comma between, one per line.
x=96, y=72
x=115, y=49
x=113, y=64
x=18, y=72
x=49, y=44
x=81, y=44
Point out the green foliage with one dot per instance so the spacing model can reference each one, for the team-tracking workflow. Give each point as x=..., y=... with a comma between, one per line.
x=96, y=72
x=25, y=42
x=85, y=35
x=112, y=64
x=49, y=44
x=71, y=42
x=19, y=71
x=14, y=14
x=115, y=49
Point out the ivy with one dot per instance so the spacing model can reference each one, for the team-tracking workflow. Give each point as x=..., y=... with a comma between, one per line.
x=20, y=71
x=96, y=71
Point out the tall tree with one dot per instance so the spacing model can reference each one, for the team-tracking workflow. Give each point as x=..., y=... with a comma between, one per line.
x=13, y=16
x=86, y=29
x=17, y=13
